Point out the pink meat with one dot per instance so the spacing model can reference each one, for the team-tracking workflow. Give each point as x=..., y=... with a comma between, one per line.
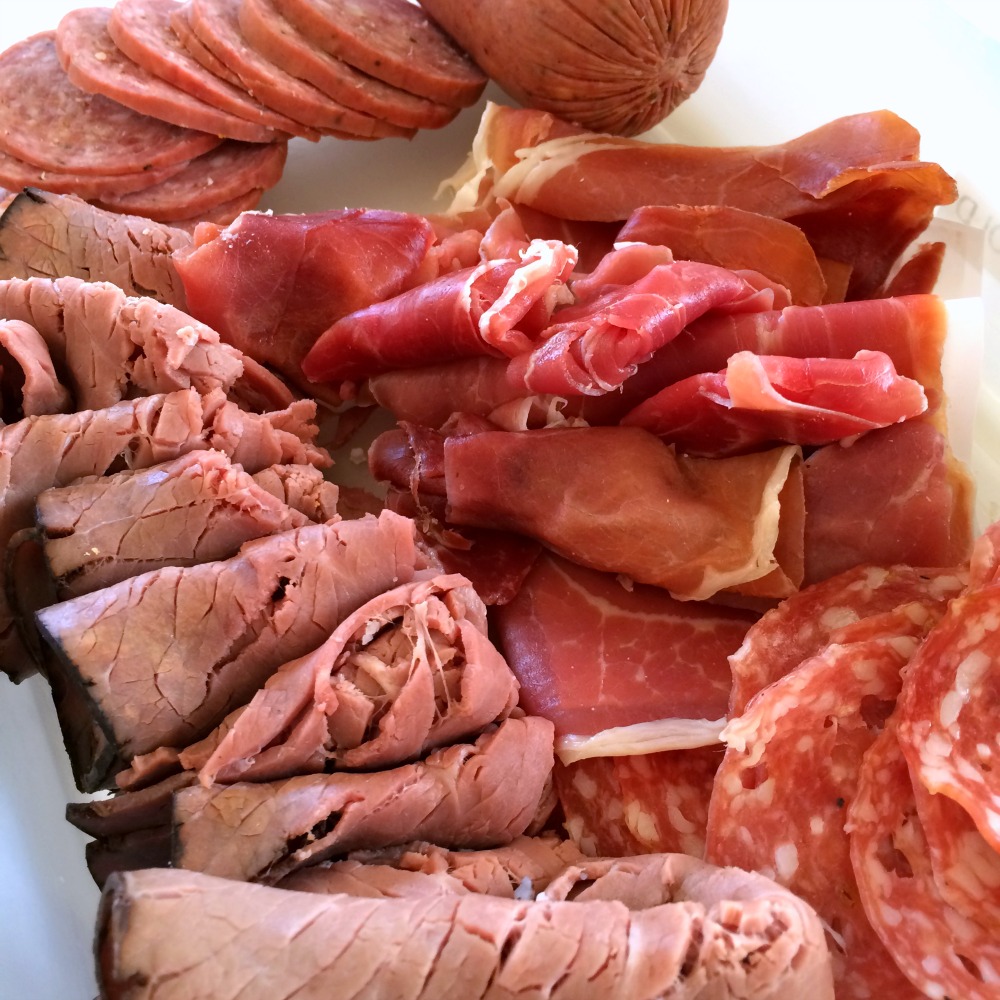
x=591, y=655
x=96, y=65
x=317, y=268
x=45, y=236
x=195, y=509
x=29, y=385
x=632, y=930
x=468, y=795
x=760, y=399
x=409, y=671
x=897, y=496
x=53, y=450
x=48, y=121
x=166, y=655
x=303, y=488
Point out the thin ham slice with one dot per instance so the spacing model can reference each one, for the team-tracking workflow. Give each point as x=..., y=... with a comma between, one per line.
x=760, y=400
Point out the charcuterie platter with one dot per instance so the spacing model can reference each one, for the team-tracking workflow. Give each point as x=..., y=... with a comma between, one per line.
x=767, y=85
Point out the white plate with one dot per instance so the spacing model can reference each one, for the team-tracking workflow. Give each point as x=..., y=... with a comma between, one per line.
x=780, y=71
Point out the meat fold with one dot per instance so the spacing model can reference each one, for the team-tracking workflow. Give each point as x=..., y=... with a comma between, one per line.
x=640, y=929
x=163, y=657
x=54, y=450
x=197, y=508
x=409, y=671
x=29, y=385
x=303, y=488
x=465, y=796
x=46, y=235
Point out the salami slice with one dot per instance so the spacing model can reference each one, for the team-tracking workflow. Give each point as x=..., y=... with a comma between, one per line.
x=948, y=722
x=180, y=22
x=984, y=567
x=941, y=950
x=394, y=41
x=790, y=769
x=804, y=623
x=46, y=120
x=227, y=172
x=224, y=214
x=95, y=64
x=277, y=39
x=216, y=23
x=142, y=30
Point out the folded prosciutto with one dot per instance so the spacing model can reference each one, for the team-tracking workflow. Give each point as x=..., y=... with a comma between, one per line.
x=411, y=670
x=619, y=500
x=638, y=929
x=468, y=795
x=762, y=399
x=163, y=657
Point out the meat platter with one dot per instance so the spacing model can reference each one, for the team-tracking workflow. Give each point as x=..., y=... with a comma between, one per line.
x=768, y=83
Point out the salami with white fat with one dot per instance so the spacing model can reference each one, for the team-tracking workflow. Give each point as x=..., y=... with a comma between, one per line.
x=48, y=121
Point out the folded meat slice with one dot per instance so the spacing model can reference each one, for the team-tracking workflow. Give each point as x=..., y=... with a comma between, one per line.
x=630, y=930
x=468, y=795
x=411, y=670
x=303, y=488
x=29, y=385
x=54, y=450
x=163, y=657
x=195, y=509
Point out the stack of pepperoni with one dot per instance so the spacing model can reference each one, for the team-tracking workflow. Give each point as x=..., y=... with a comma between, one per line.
x=183, y=112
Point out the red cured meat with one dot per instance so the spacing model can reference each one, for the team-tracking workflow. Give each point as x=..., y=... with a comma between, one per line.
x=272, y=283
x=180, y=24
x=940, y=949
x=733, y=238
x=95, y=64
x=48, y=121
x=919, y=274
x=764, y=399
x=897, y=495
x=592, y=655
x=807, y=621
x=790, y=769
x=463, y=314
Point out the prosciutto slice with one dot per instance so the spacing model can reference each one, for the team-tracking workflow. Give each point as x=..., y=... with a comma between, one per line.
x=409, y=671
x=759, y=400
x=618, y=670
x=271, y=284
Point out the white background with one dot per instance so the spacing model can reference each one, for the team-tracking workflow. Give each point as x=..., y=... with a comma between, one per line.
x=784, y=67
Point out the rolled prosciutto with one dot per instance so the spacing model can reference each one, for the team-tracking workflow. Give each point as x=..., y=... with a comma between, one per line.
x=409, y=671
x=636, y=929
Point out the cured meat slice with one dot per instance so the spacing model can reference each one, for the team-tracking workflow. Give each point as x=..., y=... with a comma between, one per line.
x=791, y=767
x=211, y=180
x=142, y=30
x=224, y=214
x=946, y=720
x=29, y=385
x=855, y=186
x=96, y=65
x=166, y=655
x=592, y=655
x=216, y=23
x=897, y=495
x=940, y=949
x=48, y=121
x=409, y=671
x=760, y=400
x=805, y=622
x=180, y=23
x=303, y=488
x=468, y=795
x=735, y=239
x=469, y=312
x=318, y=267
x=195, y=509
x=266, y=28
x=112, y=346
x=557, y=486
x=53, y=450
x=394, y=41
x=55, y=236
x=631, y=930
x=919, y=274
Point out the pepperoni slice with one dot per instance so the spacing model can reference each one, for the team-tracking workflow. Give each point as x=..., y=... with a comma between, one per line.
x=46, y=120
x=789, y=772
x=805, y=622
x=940, y=949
